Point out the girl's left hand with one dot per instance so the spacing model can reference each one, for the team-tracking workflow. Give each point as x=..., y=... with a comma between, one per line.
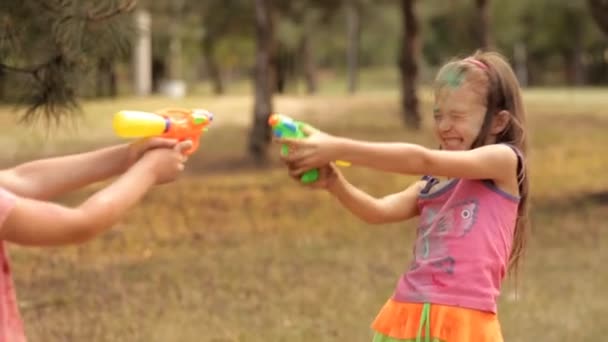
x=137, y=149
x=316, y=150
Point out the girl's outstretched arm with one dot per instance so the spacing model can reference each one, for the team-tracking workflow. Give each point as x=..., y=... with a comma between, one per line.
x=392, y=208
x=47, y=178
x=495, y=161
x=38, y=223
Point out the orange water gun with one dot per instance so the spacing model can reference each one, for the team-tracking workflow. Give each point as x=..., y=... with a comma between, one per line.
x=173, y=123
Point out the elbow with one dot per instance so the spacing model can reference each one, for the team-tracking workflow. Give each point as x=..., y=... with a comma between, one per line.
x=84, y=228
x=414, y=159
x=422, y=161
x=375, y=219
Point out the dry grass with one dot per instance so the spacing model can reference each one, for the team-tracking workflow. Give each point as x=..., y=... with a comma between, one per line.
x=245, y=255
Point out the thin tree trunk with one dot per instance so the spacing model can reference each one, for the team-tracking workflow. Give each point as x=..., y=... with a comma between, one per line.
x=279, y=63
x=483, y=23
x=212, y=67
x=308, y=63
x=113, y=80
x=599, y=12
x=2, y=82
x=573, y=56
x=259, y=137
x=408, y=65
x=354, y=34
x=574, y=68
x=106, y=78
x=521, y=63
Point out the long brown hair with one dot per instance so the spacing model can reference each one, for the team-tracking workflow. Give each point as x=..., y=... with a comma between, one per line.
x=496, y=79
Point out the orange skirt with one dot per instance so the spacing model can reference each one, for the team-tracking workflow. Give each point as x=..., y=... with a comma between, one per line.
x=401, y=322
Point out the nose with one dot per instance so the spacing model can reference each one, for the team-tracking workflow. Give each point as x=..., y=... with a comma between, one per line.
x=444, y=124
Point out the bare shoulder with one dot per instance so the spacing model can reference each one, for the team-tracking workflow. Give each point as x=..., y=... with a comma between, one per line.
x=508, y=159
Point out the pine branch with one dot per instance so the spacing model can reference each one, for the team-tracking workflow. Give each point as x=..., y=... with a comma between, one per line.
x=125, y=7
x=32, y=70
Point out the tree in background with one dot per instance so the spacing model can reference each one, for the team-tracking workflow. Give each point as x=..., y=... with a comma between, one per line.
x=353, y=19
x=259, y=137
x=482, y=27
x=222, y=19
x=49, y=48
x=408, y=65
x=599, y=12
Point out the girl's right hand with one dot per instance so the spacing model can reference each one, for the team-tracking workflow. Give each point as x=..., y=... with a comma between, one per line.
x=166, y=163
x=328, y=176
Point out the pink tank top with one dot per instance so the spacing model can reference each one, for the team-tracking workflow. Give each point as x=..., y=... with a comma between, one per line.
x=462, y=246
x=11, y=326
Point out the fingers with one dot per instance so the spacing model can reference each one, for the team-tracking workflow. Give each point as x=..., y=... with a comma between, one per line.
x=183, y=146
x=309, y=130
x=161, y=142
x=291, y=142
x=156, y=142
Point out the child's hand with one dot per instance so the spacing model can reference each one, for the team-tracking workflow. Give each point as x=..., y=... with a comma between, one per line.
x=328, y=175
x=166, y=163
x=316, y=150
x=138, y=148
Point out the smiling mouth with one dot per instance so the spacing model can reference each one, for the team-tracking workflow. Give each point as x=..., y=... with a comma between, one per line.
x=452, y=141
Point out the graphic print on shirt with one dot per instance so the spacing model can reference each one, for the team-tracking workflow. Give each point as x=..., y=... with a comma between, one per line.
x=438, y=225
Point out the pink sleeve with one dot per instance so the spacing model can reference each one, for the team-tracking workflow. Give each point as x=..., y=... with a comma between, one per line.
x=7, y=202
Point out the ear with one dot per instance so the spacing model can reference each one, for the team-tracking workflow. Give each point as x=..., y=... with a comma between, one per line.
x=500, y=122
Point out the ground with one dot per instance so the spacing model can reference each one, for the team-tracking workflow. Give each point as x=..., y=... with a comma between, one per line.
x=235, y=253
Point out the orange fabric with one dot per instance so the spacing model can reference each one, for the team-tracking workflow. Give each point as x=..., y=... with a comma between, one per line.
x=448, y=323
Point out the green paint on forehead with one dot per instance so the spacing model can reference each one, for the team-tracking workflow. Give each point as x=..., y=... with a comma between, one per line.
x=453, y=77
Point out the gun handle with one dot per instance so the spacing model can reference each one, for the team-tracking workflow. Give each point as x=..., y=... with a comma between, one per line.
x=310, y=176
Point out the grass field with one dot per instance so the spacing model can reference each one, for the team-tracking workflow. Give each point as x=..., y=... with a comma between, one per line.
x=235, y=253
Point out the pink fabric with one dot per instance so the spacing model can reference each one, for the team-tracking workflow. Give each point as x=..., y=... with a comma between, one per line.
x=11, y=326
x=462, y=247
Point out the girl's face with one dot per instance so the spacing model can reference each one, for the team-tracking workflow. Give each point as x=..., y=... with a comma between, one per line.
x=459, y=113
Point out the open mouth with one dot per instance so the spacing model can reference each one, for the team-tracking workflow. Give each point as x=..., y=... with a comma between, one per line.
x=451, y=143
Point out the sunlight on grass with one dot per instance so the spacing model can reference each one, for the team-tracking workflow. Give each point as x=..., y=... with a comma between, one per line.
x=237, y=253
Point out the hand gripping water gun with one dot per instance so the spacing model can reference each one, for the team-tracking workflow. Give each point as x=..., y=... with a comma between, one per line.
x=286, y=127
x=173, y=123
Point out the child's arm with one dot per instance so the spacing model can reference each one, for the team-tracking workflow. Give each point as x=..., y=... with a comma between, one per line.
x=392, y=208
x=396, y=207
x=47, y=178
x=496, y=161
x=33, y=222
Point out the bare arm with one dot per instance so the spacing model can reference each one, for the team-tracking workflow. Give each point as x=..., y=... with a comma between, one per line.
x=38, y=223
x=47, y=178
x=497, y=162
x=392, y=208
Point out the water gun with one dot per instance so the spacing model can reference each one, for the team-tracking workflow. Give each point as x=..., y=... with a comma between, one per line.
x=173, y=123
x=286, y=127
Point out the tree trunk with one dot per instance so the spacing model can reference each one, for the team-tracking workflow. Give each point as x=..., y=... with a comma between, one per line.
x=483, y=23
x=2, y=82
x=106, y=78
x=308, y=63
x=521, y=63
x=573, y=56
x=159, y=72
x=260, y=133
x=279, y=66
x=573, y=66
x=212, y=67
x=599, y=12
x=354, y=34
x=408, y=66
